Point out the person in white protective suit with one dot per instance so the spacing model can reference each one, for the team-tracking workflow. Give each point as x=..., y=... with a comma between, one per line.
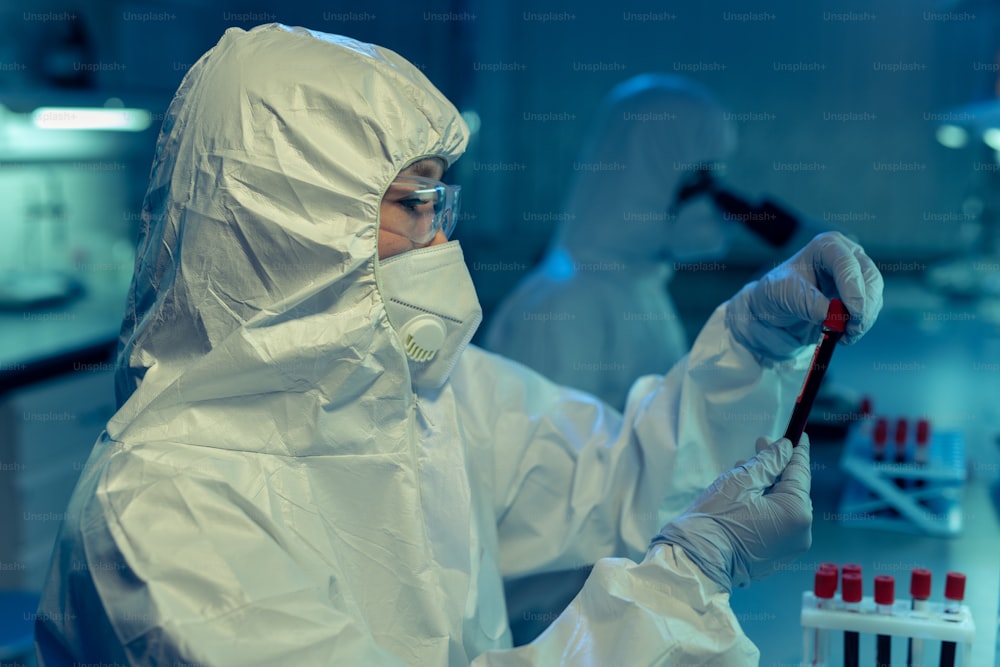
x=311, y=466
x=607, y=270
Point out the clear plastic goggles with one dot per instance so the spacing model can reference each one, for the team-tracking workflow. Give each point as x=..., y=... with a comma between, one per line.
x=429, y=206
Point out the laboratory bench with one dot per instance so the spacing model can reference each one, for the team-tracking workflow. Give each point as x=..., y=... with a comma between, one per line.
x=926, y=357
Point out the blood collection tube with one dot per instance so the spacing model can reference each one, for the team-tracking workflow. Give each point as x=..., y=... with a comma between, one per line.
x=824, y=587
x=885, y=596
x=954, y=593
x=920, y=592
x=900, y=438
x=879, y=438
x=833, y=328
x=921, y=455
x=850, y=585
x=866, y=406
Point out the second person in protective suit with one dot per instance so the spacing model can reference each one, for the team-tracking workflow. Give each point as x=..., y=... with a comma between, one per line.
x=607, y=270
x=311, y=465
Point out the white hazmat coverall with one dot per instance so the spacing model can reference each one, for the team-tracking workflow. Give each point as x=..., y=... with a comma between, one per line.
x=595, y=314
x=272, y=491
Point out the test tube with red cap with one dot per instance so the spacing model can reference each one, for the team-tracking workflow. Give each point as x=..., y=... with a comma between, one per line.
x=954, y=593
x=920, y=592
x=824, y=587
x=866, y=406
x=885, y=597
x=879, y=437
x=833, y=329
x=850, y=594
x=920, y=455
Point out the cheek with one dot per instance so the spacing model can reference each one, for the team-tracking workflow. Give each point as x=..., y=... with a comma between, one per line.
x=390, y=244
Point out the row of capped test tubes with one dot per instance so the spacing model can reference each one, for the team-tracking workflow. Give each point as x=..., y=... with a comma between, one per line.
x=850, y=600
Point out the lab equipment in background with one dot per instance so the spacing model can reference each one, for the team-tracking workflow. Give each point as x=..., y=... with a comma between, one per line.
x=954, y=593
x=885, y=596
x=948, y=623
x=833, y=328
x=771, y=222
x=851, y=596
x=975, y=272
x=919, y=491
x=39, y=273
x=879, y=437
x=920, y=592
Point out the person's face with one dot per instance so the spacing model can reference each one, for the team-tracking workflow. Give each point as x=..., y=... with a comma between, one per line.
x=392, y=210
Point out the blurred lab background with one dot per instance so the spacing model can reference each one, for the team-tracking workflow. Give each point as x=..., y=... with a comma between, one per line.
x=881, y=119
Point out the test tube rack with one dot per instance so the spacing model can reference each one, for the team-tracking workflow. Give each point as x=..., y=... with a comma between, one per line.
x=938, y=622
x=910, y=497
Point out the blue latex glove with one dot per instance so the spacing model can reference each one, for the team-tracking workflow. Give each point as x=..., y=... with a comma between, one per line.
x=776, y=316
x=746, y=523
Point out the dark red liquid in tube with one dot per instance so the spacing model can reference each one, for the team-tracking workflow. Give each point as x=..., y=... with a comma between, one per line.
x=833, y=328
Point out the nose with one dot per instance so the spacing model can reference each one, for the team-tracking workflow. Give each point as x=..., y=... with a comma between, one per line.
x=438, y=239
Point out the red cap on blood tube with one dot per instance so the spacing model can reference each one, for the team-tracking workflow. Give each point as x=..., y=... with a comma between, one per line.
x=827, y=565
x=923, y=431
x=851, y=587
x=866, y=405
x=954, y=586
x=881, y=431
x=825, y=583
x=885, y=589
x=836, y=316
x=920, y=583
x=901, y=432
x=851, y=568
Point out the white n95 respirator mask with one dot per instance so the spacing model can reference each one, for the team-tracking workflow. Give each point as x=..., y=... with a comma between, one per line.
x=432, y=304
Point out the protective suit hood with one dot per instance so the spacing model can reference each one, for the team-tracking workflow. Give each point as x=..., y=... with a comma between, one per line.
x=255, y=277
x=648, y=134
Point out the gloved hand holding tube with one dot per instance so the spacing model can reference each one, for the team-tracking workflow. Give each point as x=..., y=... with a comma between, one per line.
x=751, y=518
x=776, y=316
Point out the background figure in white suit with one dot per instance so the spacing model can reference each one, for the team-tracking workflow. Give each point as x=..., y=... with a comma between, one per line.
x=311, y=466
x=610, y=261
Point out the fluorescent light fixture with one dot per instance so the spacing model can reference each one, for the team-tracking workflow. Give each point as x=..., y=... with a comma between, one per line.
x=952, y=136
x=91, y=118
x=472, y=119
x=991, y=138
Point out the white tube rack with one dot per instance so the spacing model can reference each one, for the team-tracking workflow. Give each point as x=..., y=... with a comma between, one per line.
x=931, y=624
x=930, y=498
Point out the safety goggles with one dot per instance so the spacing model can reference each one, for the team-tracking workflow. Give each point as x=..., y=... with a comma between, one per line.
x=429, y=206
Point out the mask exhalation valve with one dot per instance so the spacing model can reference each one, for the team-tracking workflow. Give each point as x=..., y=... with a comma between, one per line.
x=422, y=337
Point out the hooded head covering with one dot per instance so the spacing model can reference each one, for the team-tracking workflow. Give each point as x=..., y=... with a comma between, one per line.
x=255, y=272
x=650, y=132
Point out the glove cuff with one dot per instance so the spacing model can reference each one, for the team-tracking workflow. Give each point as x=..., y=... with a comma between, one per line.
x=715, y=562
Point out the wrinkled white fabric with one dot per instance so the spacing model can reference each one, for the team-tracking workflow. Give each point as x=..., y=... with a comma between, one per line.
x=272, y=491
x=432, y=281
x=596, y=314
